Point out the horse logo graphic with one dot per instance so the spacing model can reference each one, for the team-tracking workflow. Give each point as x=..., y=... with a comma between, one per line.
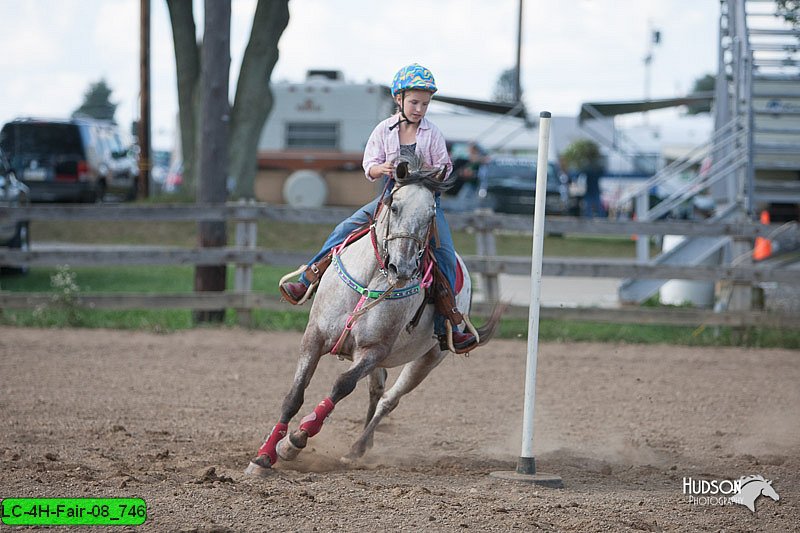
x=751, y=487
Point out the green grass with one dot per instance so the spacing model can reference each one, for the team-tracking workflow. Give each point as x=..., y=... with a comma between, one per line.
x=150, y=279
x=154, y=279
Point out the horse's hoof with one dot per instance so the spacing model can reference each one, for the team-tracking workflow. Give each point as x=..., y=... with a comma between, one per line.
x=255, y=469
x=352, y=456
x=287, y=450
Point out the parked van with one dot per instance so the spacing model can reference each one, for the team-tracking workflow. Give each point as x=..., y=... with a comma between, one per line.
x=69, y=159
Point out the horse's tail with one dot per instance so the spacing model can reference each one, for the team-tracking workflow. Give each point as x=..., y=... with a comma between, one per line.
x=487, y=331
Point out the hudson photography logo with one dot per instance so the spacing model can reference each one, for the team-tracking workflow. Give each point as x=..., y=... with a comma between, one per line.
x=743, y=491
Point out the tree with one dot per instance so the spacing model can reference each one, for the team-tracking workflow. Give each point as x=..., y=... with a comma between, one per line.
x=790, y=11
x=702, y=85
x=505, y=89
x=581, y=155
x=214, y=112
x=97, y=102
x=253, y=99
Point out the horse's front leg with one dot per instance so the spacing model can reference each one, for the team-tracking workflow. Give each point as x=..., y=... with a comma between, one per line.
x=311, y=424
x=292, y=402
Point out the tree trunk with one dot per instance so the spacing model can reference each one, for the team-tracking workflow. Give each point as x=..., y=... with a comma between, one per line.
x=187, y=62
x=253, y=100
x=215, y=121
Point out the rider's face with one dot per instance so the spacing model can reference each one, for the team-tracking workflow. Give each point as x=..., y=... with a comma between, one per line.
x=415, y=104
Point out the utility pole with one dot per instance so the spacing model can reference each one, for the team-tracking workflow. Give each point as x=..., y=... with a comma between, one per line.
x=517, y=84
x=653, y=39
x=143, y=132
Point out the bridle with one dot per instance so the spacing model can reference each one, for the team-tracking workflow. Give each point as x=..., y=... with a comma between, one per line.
x=382, y=250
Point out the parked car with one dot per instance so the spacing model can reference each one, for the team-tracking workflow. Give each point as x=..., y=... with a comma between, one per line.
x=70, y=160
x=13, y=193
x=507, y=185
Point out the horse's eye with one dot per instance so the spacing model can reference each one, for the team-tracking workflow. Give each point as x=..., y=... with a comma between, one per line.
x=395, y=210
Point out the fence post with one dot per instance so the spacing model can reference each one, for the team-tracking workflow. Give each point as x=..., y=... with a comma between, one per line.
x=741, y=291
x=642, y=241
x=486, y=246
x=246, y=235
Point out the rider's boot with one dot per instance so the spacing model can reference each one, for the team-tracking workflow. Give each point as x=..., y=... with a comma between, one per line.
x=445, y=304
x=293, y=291
x=463, y=342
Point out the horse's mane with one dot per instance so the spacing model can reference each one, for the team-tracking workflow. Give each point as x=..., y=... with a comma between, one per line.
x=410, y=169
x=758, y=477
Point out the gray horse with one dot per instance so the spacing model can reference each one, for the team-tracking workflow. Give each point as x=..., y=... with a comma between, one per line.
x=371, y=324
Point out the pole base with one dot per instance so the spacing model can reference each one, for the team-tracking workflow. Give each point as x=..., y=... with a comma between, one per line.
x=526, y=472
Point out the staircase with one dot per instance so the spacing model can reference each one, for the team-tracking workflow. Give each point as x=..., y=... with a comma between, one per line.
x=756, y=144
x=774, y=110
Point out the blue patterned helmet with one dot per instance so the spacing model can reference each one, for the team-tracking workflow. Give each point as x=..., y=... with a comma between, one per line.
x=413, y=77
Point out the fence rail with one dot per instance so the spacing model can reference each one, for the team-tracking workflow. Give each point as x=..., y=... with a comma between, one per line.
x=487, y=264
x=477, y=221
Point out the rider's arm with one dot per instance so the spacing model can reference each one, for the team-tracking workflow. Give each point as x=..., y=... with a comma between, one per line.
x=375, y=154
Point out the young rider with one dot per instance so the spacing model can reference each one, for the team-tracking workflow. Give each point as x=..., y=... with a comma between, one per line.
x=405, y=132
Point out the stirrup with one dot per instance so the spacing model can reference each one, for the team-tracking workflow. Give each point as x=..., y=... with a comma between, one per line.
x=290, y=275
x=471, y=329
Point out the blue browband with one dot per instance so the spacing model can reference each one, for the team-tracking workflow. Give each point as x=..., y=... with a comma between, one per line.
x=396, y=294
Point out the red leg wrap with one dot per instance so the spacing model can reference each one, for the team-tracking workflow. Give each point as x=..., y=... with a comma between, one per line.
x=312, y=423
x=268, y=448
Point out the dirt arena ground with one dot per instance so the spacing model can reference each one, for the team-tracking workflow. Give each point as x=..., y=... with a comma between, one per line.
x=108, y=413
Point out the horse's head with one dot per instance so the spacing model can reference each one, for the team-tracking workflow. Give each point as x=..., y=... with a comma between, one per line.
x=767, y=490
x=404, y=225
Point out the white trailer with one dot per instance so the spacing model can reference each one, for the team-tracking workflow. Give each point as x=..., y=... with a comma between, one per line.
x=311, y=147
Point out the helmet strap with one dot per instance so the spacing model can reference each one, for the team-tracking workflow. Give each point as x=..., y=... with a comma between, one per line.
x=402, y=112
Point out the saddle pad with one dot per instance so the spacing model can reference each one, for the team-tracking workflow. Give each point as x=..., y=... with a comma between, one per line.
x=459, y=276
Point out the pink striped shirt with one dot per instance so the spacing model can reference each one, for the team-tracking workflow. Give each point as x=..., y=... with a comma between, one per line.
x=384, y=145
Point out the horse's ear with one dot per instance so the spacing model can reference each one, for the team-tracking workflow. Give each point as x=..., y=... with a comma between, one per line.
x=402, y=170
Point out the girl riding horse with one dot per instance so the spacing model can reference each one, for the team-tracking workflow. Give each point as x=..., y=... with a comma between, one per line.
x=408, y=133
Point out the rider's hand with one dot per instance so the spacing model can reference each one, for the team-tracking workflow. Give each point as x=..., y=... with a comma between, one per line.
x=387, y=168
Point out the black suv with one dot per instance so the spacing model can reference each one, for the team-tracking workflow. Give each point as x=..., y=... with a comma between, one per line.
x=508, y=185
x=13, y=193
x=69, y=160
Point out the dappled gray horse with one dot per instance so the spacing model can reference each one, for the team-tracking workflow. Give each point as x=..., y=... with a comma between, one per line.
x=363, y=311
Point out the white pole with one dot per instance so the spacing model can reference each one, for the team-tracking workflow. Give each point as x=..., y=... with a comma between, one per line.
x=526, y=464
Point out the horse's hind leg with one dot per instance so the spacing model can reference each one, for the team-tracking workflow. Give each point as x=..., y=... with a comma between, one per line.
x=412, y=375
x=306, y=365
x=377, y=385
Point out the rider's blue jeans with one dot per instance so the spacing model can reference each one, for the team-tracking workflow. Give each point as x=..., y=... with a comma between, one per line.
x=445, y=254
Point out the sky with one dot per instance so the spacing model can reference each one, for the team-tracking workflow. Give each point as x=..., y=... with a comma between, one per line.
x=573, y=51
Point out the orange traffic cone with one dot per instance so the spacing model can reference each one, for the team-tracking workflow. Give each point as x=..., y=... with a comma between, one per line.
x=763, y=248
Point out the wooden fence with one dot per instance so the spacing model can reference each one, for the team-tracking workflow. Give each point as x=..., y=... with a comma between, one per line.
x=245, y=253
